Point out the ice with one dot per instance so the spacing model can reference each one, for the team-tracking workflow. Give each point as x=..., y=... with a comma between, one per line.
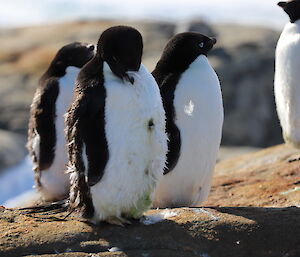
x=15, y=181
x=158, y=217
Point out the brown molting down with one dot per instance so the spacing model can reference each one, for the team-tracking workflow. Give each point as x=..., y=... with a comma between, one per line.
x=42, y=121
x=80, y=198
x=85, y=123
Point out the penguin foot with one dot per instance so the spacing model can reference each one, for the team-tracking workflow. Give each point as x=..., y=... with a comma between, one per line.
x=294, y=160
x=118, y=221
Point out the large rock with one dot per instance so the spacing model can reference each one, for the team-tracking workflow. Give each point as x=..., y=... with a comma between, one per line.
x=252, y=213
x=244, y=61
x=12, y=149
x=262, y=179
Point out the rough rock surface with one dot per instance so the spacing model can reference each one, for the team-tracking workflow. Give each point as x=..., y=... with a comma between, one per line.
x=252, y=212
x=261, y=179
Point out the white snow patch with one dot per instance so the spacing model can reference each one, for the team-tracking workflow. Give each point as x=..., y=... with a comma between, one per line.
x=290, y=191
x=25, y=199
x=15, y=181
x=155, y=218
x=204, y=255
x=209, y=214
x=114, y=249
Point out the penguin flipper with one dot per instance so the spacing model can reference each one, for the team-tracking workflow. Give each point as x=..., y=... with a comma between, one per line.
x=87, y=118
x=167, y=89
x=41, y=132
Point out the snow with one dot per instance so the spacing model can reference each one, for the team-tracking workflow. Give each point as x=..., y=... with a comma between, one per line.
x=15, y=181
x=208, y=213
x=114, y=249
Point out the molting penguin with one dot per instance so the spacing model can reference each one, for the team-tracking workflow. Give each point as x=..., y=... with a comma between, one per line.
x=116, y=132
x=192, y=99
x=46, y=138
x=287, y=75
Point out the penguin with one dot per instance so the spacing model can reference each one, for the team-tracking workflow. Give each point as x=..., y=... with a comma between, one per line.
x=46, y=138
x=192, y=100
x=116, y=136
x=287, y=76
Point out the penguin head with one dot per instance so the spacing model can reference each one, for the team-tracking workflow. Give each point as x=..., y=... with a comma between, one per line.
x=122, y=48
x=184, y=48
x=292, y=8
x=75, y=54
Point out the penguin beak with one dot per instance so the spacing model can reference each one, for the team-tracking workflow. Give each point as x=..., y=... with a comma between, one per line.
x=213, y=41
x=282, y=4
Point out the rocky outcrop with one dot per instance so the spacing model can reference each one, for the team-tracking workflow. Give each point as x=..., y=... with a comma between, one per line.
x=12, y=149
x=244, y=62
x=263, y=179
x=250, y=212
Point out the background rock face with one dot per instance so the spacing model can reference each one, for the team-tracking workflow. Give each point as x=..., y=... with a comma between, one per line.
x=243, y=59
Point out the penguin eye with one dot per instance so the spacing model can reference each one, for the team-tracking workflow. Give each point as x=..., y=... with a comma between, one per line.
x=201, y=44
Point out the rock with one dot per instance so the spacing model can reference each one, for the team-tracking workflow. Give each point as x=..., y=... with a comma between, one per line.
x=261, y=179
x=244, y=61
x=214, y=232
x=12, y=149
x=251, y=213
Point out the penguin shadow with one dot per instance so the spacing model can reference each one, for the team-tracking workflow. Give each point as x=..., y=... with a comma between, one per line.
x=225, y=231
x=265, y=230
x=164, y=238
x=273, y=231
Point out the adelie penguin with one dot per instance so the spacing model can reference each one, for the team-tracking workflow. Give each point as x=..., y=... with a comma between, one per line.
x=192, y=99
x=287, y=75
x=116, y=132
x=46, y=138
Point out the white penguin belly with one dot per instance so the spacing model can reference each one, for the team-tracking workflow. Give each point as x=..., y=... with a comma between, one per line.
x=136, y=152
x=54, y=180
x=287, y=82
x=199, y=117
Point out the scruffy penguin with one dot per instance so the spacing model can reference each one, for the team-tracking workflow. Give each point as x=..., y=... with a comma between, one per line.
x=46, y=137
x=192, y=99
x=287, y=75
x=116, y=132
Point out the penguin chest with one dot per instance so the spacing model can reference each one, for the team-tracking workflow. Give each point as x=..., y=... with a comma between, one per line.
x=198, y=107
x=199, y=117
x=134, y=129
x=129, y=120
x=287, y=82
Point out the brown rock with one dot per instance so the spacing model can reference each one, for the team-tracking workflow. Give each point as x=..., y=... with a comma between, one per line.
x=263, y=180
